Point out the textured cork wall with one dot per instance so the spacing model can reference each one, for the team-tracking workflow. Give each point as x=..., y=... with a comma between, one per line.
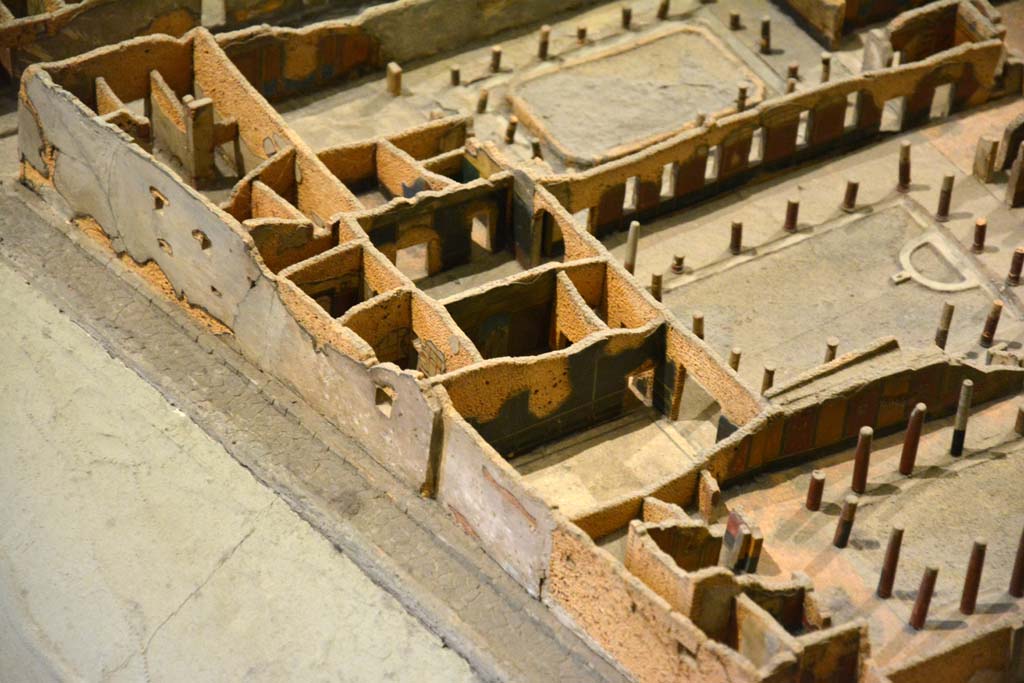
x=79, y=27
x=820, y=410
x=994, y=654
x=971, y=68
x=282, y=62
x=442, y=220
x=338, y=321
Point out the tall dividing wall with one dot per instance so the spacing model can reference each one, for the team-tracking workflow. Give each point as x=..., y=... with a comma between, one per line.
x=519, y=403
x=820, y=112
x=829, y=20
x=82, y=26
x=445, y=217
x=994, y=654
x=281, y=62
x=877, y=387
x=235, y=13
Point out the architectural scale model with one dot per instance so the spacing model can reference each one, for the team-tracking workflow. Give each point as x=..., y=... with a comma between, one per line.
x=711, y=339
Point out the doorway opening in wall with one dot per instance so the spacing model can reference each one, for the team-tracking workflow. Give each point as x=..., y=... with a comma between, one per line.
x=412, y=260
x=481, y=232
x=641, y=387
x=214, y=13
x=384, y=398
x=942, y=102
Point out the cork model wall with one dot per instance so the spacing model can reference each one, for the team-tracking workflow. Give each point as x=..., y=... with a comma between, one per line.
x=448, y=289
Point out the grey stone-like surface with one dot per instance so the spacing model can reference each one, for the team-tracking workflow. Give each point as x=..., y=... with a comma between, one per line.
x=135, y=547
x=405, y=544
x=841, y=282
x=619, y=100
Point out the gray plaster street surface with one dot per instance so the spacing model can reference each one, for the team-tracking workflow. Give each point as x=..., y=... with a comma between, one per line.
x=204, y=562
x=132, y=546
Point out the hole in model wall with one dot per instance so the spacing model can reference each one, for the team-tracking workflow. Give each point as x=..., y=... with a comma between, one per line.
x=159, y=200
x=200, y=236
x=942, y=102
x=852, y=111
x=412, y=261
x=668, y=174
x=165, y=246
x=803, y=131
x=385, y=399
x=481, y=231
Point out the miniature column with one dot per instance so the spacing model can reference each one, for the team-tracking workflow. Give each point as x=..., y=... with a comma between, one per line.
x=535, y=150
x=969, y=597
x=735, y=23
x=988, y=334
x=766, y=35
x=741, y=95
x=911, y=439
x=942, y=333
x=656, y=286
x=736, y=238
x=1017, y=576
x=544, y=43
x=945, y=197
x=581, y=34
x=627, y=17
x=631, y=243
x=919, y=615
x=663, y=10
x=481, y=102
x=826, y=67
x=793, y=70
x=862, y=459
x=963, y=410
x=510, y=131
x=698, y=324
x=903, y=184
x=678, y=264
x=768, y=379
x=496, y=59
x=1018, y=426
x=980, y=229
x=845, y=524
x=455, y=75
x=831, y=346
x=1016, y=265
x=394, y=79
x=815, y=489
x=734, y=358
x=790, y=85
x=850, y=197
x=889, y=564
x=792, y=214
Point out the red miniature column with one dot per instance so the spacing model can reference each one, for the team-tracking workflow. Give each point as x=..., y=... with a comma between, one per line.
x=924, y=598
x=815, y=488
x=969, y=597
x=889, y=564
x=912, y=438
x=861, y=460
